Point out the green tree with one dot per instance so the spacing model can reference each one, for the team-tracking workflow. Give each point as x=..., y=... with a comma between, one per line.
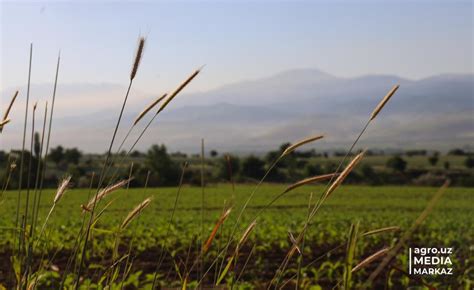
x=313, y=169
x=228, y=165
x=159, y=161
x=72, y=155
x=397, y=163
x=446, y=165
x=469, y=162
x=253, y=167
x=433, y=159
x=57, y=154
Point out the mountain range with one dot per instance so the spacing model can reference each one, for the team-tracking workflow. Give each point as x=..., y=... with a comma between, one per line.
x=254, y=116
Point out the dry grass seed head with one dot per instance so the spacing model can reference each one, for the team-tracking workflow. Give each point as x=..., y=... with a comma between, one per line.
x=370, y=259
x=178, y=89
x=62, y=189
x=219, y=223
x=138, y=57
x=382, y=103
x=147, y=109
x=246, y=235
x=310, y=180
x=300, y=143
x=5, y=116
x=135, y=212
x=344, y=174
x=104, y=192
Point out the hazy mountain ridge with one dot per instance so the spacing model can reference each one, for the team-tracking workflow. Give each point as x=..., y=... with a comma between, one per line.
x=434, y=112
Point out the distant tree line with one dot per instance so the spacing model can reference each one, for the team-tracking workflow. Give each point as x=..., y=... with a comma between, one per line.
x=164, y=168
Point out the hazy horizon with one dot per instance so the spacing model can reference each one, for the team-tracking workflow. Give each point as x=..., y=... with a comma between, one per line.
x=258, y=55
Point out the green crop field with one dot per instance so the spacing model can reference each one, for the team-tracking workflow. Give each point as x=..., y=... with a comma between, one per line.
x=450, y=224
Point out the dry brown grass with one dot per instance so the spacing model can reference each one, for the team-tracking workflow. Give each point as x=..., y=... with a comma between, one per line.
x=104, y=192
x=147, y=109
x=344, y=174
x=384, y=101
x=178, y=89
x=310, y=180
x=62, y=189
x=370, y=259
x=382, y=230
x=5, y=115
x=219, y=223
x=138, y=57
x=300, y=143
x=135, y=212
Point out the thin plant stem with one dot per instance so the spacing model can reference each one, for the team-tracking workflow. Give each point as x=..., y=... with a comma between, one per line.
x=38, y=172
x=170, y=223
x=45, y=160
x=25, y=221
x=101, y=179
x=72, y=257
x=23, y=149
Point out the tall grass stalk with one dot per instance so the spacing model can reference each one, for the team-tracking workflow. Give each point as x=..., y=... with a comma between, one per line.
x=45, y=160
x=201, y=241
x=27, y=203
x=272, y=166
x=325, y=194
x=72, y=257
x=136, y=63
x=119, y=231
x=406, y=236
x=301, y=257
x=170, y=223
x=169, y=98
x=20, y=183
x=129, y=262
x=38, y=172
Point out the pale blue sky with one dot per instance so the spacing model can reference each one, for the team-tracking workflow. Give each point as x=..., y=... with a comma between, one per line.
x=236, y=40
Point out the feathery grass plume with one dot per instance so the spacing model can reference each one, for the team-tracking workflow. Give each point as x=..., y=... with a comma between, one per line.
x=382, y=103
x=135, y=212
x=293, y=147
x=5, y=116
x=138, y=57
x=62, y=189
x=370, y=259
x=59, y=193
x=178, y=89
x=219, y=223
x=381, y=230
x=344, y=174
x=104, y=192
x=310, y=180
x=147, y=109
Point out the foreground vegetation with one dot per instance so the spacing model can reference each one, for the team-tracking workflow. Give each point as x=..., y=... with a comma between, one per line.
x=267, y=236
x=449, y=225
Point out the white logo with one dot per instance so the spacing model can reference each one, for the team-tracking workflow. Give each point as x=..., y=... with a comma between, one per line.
x=430, y=261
